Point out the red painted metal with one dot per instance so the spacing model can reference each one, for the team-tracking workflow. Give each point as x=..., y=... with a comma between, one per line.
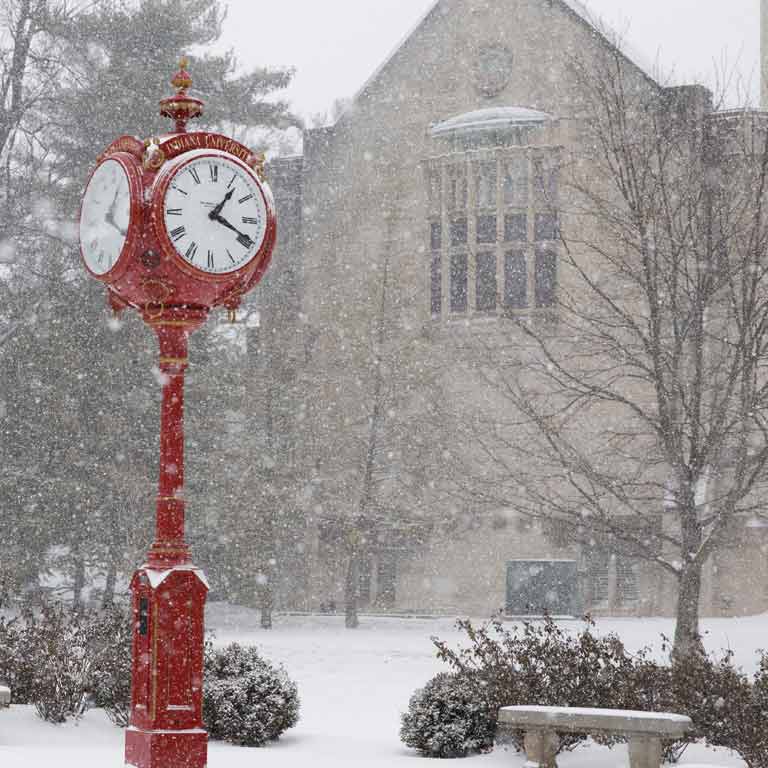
x=174, y=299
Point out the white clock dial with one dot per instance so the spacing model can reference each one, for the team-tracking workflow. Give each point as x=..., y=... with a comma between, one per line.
x=214, y=214
x=105, y=216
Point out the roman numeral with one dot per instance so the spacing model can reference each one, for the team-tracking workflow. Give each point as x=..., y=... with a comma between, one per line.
x=245, y=241
x=173, y=212
x=195, y=175
x=179, y=189
x=232, y=180
x=210, y=259
x=231, y=257
x=243, y=199
x=191, y=251
x=250, y=220
x=178, y=233
x=214, y=169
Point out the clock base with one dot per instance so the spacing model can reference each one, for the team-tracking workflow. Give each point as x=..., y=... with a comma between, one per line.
x=166, y=749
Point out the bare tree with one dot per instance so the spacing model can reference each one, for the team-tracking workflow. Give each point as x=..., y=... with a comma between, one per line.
x=635, y=410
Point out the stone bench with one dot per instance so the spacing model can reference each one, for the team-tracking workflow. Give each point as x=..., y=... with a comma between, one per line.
x=644, y=730
x=5, y=696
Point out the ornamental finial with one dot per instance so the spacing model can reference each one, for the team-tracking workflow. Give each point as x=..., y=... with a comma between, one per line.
x=181, y=107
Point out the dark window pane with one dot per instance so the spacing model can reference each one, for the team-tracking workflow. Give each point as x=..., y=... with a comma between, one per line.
x=458, y=232
x=435, y=236
x=459, y=282
x=515, y=226
x=545, y=226
x=457, y=187
x=486, y=229
x=546, y=277
x=515, y=280
x=436, y=285
x=486, y=282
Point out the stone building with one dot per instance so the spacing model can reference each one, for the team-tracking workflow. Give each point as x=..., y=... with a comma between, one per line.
x=411, y=228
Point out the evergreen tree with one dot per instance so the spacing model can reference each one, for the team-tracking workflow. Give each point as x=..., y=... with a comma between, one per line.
x=80, y=405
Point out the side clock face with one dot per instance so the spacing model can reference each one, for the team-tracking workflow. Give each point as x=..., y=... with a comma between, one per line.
x=105, y=216
x=214, y=214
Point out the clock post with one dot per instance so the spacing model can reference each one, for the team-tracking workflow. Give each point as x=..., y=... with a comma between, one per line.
x=174, y=226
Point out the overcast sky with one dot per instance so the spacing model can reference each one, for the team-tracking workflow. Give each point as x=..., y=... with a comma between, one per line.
x=335, y=45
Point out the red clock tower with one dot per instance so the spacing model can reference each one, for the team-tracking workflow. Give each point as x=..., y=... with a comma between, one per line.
x=174, y=226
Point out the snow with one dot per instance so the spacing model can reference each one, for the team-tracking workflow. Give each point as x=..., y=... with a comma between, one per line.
x=156, y=578
x=353, y=686
x=554, y=712
x=489, y=119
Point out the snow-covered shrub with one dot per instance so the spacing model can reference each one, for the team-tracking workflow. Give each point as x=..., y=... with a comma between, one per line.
x=55, y=641
x=17, y=669
x=726, y=707
x=539, y=662
x=246, y=700
x=447, y=718
x=54, y=658
x=109, y=641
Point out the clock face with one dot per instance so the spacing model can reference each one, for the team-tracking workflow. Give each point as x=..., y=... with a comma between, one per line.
x=214, y=214
x=105, y=216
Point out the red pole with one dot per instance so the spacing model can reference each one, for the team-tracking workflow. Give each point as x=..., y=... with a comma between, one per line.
x=166, y=729
x=169, y=547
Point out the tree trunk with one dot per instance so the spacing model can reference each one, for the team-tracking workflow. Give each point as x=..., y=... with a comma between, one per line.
x=687, y=637
x=267, y=601
x=351, y=587
x=78, y=583
x=108, y=599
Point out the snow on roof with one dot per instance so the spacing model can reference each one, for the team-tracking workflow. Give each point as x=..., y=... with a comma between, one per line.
x=490, y=119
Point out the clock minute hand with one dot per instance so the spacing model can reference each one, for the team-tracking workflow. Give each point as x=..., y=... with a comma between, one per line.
x=217, y=210
x=225, y=223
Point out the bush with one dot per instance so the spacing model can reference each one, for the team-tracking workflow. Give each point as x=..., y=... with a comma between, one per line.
x=726, y=707
x=540, y=663
x=109, y=641
x=54, y=659
x=446, y=718
x=246, y=700
x=17, y=669
x=55, y=643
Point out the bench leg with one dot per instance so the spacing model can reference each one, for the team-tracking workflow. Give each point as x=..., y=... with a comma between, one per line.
x=644, y=752
x=541, y=749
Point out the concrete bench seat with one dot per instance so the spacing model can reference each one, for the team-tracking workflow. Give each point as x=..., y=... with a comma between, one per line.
x=5, y=696
x=644, y=730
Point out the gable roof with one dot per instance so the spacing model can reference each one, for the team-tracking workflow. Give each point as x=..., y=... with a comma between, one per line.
x=575, y=7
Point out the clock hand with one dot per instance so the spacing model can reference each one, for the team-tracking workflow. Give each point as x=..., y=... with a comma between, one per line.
x=110, y=217
x=122, y=231
x=217, y=210
x=225, y=223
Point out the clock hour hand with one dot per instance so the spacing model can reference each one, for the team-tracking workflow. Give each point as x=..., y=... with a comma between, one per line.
x=243, y=238
x=110, y=217
x=217, y=210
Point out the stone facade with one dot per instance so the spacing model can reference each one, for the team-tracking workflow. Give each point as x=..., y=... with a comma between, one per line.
x=379, y=292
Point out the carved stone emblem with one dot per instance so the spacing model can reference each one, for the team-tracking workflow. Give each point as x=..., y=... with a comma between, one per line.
x=493, y=69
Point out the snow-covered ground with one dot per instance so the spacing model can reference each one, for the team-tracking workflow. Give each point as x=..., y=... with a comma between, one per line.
x=353, y=687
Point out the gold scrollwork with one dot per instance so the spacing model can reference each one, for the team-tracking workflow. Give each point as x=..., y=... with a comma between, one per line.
x=154, y=157
x=258, y=161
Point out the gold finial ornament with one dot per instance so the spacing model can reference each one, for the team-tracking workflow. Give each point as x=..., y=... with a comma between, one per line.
x=181, y=108
x=182, y=80
x=257, y=161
